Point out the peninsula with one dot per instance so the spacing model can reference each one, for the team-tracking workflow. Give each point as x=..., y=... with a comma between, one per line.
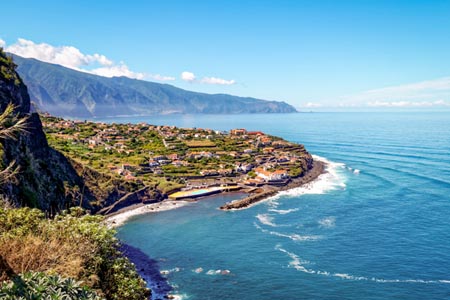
x=150, y=163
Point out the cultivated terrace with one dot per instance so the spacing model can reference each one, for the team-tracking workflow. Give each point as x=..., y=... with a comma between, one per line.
x=173, y=158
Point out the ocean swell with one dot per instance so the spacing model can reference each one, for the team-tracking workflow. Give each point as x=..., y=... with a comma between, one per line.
x=298, y=264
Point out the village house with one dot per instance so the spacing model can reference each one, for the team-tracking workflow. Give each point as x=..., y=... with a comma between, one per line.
x=276, y=175
x=283, y=159
x=265, y=141
x=173, y=156
x=238, y=132
x=243, y=167
x=153, y=163
x=257, y=133
x=209, y=172
x=198, y=155
x=225, y=172
x=177, y=163
x=281, y=144
x=268, y=150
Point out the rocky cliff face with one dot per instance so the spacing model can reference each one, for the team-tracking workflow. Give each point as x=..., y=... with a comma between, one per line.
x=45, y=178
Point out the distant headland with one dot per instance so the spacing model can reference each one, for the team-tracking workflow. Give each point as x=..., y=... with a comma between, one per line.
x=67, y=92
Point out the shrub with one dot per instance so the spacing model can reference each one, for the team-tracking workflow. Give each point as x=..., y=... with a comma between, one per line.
x=36, y=285
x=73, y=244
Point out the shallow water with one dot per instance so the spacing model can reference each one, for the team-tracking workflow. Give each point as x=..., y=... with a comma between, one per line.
x=375, y=227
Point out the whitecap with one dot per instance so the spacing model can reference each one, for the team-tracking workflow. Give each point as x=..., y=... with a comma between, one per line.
x=266, y=219
x=295, y=237
x=167, y=272
x=356, y=171
x=283, y=211
x=178, y=296
x=298, y=264
x=218, y=272
x=328, y=222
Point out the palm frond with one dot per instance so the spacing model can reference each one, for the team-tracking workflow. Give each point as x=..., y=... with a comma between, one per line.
x=8, y=131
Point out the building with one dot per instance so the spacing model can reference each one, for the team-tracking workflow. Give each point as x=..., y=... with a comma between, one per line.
x=238, y=131
x=271, y=176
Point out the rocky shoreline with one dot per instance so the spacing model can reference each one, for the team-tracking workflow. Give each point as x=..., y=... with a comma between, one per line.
x=268, y=191
x=149, y=269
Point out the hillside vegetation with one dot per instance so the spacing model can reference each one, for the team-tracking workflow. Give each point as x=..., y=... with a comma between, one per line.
x=72, y=245
x=48, y=252
x=66, y=92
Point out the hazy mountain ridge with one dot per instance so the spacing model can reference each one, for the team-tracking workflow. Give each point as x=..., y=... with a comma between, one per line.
x=66, y=92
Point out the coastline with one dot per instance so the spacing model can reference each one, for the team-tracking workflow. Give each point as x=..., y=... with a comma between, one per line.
x=120, y=217
x=148, y=268
x=319, y=168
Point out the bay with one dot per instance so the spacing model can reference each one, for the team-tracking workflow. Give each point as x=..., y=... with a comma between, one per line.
x=376, y=227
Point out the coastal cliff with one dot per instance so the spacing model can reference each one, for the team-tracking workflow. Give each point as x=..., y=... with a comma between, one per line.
x=37, y=254
x=44, y=178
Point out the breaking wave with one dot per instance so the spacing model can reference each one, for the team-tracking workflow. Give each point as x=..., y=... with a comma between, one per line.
x=332, y=179
x=283, y=211
x=295, y=237
x=266, y=220
x=298, y=264
x=218, y=272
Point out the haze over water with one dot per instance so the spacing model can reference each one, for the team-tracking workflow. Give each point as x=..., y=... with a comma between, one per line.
x=375, y=227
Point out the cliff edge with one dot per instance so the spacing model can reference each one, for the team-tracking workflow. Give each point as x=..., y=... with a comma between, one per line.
x=45, y=179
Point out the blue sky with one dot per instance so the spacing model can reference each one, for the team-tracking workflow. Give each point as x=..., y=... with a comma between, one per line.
x=312, y=54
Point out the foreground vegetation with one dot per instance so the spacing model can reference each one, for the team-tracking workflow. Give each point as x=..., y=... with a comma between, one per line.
x=73, y=251
x=72, y=255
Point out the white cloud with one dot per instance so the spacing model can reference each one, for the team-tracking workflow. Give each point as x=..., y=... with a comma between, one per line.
x=188, y=76
x=312, y=105
x=420, y=94
x=117, y=71
x=214, y=80
x=161, y=77
x=399, y=104
x=73, y=58
x=2, y=43
x=66, y=56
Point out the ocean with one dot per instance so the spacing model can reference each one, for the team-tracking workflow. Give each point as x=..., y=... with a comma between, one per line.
x=376, y=226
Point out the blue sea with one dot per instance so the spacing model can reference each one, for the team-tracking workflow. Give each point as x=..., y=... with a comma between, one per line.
x=376, y=226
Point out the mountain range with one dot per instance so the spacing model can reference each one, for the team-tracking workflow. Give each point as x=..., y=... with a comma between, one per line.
x=66, y=92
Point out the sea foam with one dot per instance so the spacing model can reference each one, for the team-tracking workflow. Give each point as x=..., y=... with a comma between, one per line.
x=332, y=179
x=328, y=222
x=299, y=264
x=266, y=219
x=283, y=211
x=293, y=236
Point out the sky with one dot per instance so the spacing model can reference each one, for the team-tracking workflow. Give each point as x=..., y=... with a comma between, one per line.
x=311, y=54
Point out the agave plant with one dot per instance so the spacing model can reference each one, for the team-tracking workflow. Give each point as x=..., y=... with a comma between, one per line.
x=40, y=286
